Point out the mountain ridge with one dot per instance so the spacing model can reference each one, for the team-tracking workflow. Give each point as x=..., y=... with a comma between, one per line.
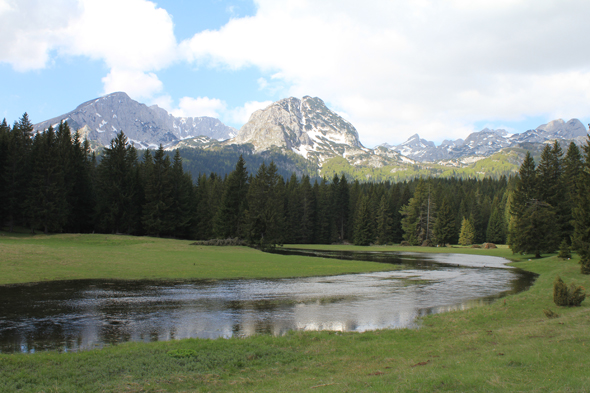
x=101, y=118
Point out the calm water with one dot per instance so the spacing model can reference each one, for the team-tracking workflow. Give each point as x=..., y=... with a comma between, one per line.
x=75, y=315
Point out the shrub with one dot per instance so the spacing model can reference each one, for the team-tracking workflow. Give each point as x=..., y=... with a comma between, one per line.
x=585, y=262
x=220, y=242
x=404, y=243
x=562, y=296
x=487, y=246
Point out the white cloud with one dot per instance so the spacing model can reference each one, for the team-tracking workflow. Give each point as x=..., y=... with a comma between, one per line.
x=137, y=84
x=133, y=37
x=30, y=29
x=242, y=114
x=131, y=34
x=200, y=106
x=404, y=67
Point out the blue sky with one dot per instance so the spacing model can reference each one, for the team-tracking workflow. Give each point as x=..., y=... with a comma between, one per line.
x=441, y=69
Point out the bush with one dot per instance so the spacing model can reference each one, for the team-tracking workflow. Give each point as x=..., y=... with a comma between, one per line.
x=562, y=296
x=585, y=262
x=220, y=242
x=404, y=243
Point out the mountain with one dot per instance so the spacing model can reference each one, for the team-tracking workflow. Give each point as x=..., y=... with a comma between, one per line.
x=487, y=142
x=309, y=128
x=146, y=127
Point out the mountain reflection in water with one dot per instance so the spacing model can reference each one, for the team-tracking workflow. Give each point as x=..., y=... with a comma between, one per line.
x=75, y=315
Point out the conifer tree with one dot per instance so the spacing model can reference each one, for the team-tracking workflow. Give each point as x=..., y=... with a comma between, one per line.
x=17, y=171
x=572, y=167
x=46, y=205
x=467, y=235
x=416, y=216
x=158, y=216
x=581, y=213
x=341, y=206
x=229, y=219
x=495, y=230
x=266, y=206
x=363, y=233
x=444, y=225
x=182, y=209
x=532, y=229
x=308, y=210
x=115, y=187
x=384, y=222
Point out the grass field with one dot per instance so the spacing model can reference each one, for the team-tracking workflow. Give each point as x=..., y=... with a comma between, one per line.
x=25, y=258
x=507, y=346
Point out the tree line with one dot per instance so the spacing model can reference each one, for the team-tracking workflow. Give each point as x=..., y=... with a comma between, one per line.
x=51, y=182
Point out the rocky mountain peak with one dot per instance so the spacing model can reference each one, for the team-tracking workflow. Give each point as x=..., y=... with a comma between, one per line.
x=146, y=127
x=306, y=126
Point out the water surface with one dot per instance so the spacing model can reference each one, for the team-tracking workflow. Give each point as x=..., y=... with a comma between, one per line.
x=84, y=314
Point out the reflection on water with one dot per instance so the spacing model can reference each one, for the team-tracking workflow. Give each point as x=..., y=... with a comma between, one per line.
x=76, y=315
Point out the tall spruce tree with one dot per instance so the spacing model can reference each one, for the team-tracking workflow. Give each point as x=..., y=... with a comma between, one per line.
x=467, y=235
x=266, y=206
x=115, y=187
x=581, y=212
x=363, y=233
x=158, y=215
x=532, y=229
x=383, y=222
x=45, y=205
x=229, y=219
x=444, y=226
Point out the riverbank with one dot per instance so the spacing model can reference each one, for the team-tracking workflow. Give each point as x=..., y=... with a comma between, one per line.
x=507, y=346
x=27, y=258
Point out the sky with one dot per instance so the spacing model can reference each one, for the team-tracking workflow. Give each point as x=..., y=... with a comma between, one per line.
x=441, y=69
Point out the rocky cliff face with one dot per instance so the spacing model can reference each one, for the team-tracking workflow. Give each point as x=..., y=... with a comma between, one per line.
x=100, y=119
x=306, y=127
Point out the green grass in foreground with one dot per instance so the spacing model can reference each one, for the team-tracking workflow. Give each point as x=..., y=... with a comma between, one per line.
x=507, y=346
x=72, y=256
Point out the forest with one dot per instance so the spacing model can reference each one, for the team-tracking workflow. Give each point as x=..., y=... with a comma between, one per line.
x=51, y=182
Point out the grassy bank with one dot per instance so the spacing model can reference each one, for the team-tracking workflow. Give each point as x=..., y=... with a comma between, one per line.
x=507, y=346
x=26, y=258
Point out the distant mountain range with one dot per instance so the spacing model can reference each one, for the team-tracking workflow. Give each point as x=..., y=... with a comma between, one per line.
x=487, y=142
x=308, y=128
x=146, y=127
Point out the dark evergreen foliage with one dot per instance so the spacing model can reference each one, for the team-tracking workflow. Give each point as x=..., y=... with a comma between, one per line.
x=51, y=182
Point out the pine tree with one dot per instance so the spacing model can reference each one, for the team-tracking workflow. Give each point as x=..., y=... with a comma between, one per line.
x=182, y=209
x=581, y=213
x=572, y=167
x=416, y=216
x=495, y=230
x=158, y=216
x=17, y=171
x=467, y=235
x=308, y=211
x=229, y=219
x=115, y=187
x=266, y=207
x=444, y=226
x=532, y=228
x=384, y=222
x=363, y=223
x=46, y=205
x=341, y=206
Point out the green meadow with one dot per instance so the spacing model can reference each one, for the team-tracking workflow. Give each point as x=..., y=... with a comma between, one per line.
x=509, y=345
x=27, y=258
